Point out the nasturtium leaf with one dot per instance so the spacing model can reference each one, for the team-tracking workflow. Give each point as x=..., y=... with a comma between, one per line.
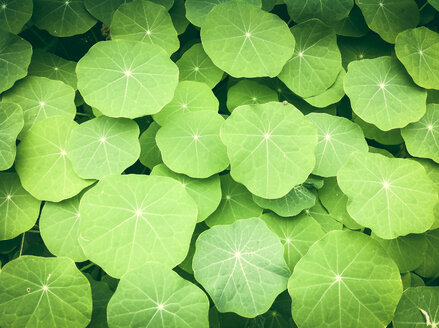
x=353, y=25
x=434, y=3
x=103, y=9
x=145, y=21
x=101, y=293
x=205, y=192
x=241, y=266
x=62, y=17
x=410, y=279
x=380, y=151
x=382, y=93
x=123, y=78
x=422, y=137
x=418, y=308
x=271, y=147
x=18, y=210
x=11, y=123
x=338, y=138
x=15, y=57
x=321, y=215
x=53, y=67
x=14, y=14
x=389, y=17
x=131, y=219
x=331, y=95
x=186, y=265
x=392, y=196
x=298, y=199
x=430, y=261
x=190, y=144
x=44, y=292
x=178, y=15
x=103, y=146
x=155, y=296
x=296, y=234
x=328, y=11
x=59, y=228
x=236, y=204
x=247, y=92
x=42, y=163
x=195, y=65
x=190, y=96
x=316, y=61
x=407, y=251
x=391, y=137
x=417, y=50
x=41, y=98
x=246, y=41
x=432, y=170
x=345, y=280
x=149, y=152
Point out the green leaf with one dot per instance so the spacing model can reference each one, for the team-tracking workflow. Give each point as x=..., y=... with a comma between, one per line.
x=147, y=22
x=391, y=137
x=383, y=83
x=41, y=98
x=316, y=61
x=101, y=295
x=131, y=219
x=59, y=228
x=345, y=280
x=103, y=146
x=186, y=265
x=62, y=17
x=44, y=292
x=231, y=261
x=42, y=163
x=328, y=11
x=236, y=204
x=14, y=14
x=389, y=17
x=178, y=15
x=434, y=3
x=205, y=192
x=321, y=215
x=15, y=56
x=190, y=144
x=270, y=146
x=103, y=10
x=410, y=279
x=296, y=234
x=124, y=78
x=154, y=295
x=417, y=50
x=11, y=123
x=247, y=92
x=246, y=41
x=190, y=96
x=150, y=154
x=18, y=210
x=331, y=95
x=353, y=25
x=391, y=196
x=338, y=138
x=430, y=261
x=195, y=65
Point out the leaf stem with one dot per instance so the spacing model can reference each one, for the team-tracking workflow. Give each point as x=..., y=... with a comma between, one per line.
x=86, y=267
x=22, y=244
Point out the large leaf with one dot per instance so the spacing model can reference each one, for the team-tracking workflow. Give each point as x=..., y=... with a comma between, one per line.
x=247, y=92
x=14, y=14
x=103, y=9
x=328, y=11
x=345, y=280
x=11, y=123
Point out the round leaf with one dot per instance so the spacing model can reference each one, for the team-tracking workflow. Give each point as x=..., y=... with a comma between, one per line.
x=149, y=152
x=430, y=261
x=11, y=123
x=391, y=137
x=247, y=92
x=328, y=11
x=331, y=95
x=14, y=14
x=103, y=9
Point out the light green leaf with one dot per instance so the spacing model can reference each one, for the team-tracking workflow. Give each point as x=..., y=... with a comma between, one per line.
x=434, y=3
x=155, y=296
x=389, y=17
x=410, y=279
x=44, y=292
x=41, y=98
x=316, y=61
x=345, y=280
x=149, y=152
x=124, y=78
x=246, y=41
x=129, y=220
x=103, y=146
x=59, y=228
x=190, y=96
x=391, y=137
x=382, y=83
x=331, y=95
x=190, y=144
x=14, y=14
x=430, y=261
x=186, y=265
x=270, y=146
x=422, y=137
x=380, y=151
x=321, y=215
x=417, y=50
x=145, y=21
x=15, y=56
x=236, y=204
x=103, y=9
x=391, y=196
x=328, y=11
x=205, y=192
x=338, y=138
x=195, y=65
x=247, y=92
x=11, y=123
x=231, y=261
x=42, y=163
x=62, y=18
x=296, y=234
x=18, y=210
